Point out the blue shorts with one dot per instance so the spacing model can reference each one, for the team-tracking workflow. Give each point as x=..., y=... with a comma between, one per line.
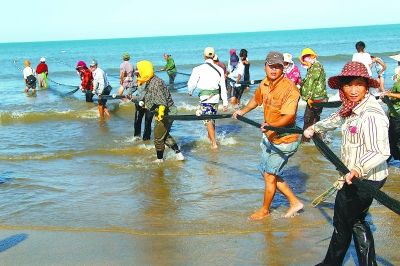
x=276, y=156
x=208, y=109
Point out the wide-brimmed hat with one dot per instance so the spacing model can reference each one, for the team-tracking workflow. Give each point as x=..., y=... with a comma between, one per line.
x=307, y=51
x=352, y=69
x=395, y=57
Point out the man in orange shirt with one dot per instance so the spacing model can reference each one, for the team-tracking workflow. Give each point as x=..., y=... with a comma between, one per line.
x=279, y=97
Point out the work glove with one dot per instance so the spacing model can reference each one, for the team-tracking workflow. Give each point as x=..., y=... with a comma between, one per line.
x=160, y=115
x=310, y=102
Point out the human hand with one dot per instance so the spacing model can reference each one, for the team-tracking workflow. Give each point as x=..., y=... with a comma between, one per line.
x=349, y=177
x=161, y=110
x=308, y=133
x=236, y=113
x=199, y=113
x=310, y=102
x=265, y=124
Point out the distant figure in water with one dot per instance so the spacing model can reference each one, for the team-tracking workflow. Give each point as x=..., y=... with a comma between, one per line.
x=29, y=77
x=42, y=71
x=101, y=87
x=279, y=98
x=365, y=148
x=86, y=80
x=170, y=68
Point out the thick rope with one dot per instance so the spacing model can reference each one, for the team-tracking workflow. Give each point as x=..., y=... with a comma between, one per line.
x=380, y=196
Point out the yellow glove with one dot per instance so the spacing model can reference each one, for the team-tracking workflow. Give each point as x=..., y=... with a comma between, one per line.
x=160, y=115
x=310, y=102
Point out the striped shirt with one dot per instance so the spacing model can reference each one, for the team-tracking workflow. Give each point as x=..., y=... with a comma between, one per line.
x=365, y=138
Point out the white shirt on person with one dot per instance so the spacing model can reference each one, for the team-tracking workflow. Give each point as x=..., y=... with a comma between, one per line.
x=365, y=138
x=204, y=77
x=364, y=58
x=235, y=71
x=27, y=72
x=100, y=80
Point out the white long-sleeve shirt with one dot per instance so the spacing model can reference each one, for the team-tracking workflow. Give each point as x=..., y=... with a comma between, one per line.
x=204, y=77
x=365, y=138
x=100, y=81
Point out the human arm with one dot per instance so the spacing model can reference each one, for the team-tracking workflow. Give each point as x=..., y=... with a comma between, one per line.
x=193, y=80
x=250, y=106
x=383, y=65
x=330, y=123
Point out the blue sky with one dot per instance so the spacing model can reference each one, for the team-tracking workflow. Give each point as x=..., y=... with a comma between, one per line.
x=44, y=20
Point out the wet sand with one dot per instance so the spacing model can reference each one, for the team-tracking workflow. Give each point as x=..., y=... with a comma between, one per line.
x=301, y=240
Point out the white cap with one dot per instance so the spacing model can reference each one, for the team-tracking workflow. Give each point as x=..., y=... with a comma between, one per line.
x=42, y=59
x=209, y=52
x=287, y=58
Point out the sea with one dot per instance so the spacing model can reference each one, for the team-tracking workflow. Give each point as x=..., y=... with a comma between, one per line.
x=62, y=168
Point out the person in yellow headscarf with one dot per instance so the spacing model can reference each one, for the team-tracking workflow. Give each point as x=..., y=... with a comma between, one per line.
x=157, y=98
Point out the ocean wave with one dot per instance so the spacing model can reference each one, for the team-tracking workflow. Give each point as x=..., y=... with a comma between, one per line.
x=11, y=117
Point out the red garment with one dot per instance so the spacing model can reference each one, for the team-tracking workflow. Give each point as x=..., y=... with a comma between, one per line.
x=87, y=79
x=42, y=67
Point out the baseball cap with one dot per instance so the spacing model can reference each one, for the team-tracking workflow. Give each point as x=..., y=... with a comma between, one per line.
x=126, y=56
x=209, y=52
x=42, y=59
x=274, y=58
x=93, y=63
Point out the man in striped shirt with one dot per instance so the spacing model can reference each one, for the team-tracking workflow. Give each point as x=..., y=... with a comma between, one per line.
x=365, y=148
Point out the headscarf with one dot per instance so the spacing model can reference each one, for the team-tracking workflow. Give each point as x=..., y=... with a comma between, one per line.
x=347, y=105
x=146, y=71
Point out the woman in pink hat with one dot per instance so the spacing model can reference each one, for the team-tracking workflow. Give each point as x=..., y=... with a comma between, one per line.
x=365, y=148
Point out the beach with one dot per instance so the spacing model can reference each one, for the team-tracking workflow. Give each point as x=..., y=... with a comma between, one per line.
x=78, y=191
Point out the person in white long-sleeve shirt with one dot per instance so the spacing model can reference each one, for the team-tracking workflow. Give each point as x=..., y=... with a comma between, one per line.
x=101, y=86
x=209, y=79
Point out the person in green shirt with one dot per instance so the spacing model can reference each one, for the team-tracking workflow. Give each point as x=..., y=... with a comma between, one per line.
x=394, y=118
x=313, y=88
x=170, y=68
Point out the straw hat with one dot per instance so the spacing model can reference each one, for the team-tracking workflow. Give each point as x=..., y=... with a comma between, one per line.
x=352, y=69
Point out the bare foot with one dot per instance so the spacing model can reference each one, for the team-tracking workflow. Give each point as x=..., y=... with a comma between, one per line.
x=259, y=215
x=293, y=210
x=214, y=146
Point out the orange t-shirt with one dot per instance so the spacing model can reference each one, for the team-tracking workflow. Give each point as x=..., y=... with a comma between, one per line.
x=278, y=97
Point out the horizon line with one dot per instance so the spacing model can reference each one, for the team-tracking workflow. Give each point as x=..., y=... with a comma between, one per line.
x=201, y=34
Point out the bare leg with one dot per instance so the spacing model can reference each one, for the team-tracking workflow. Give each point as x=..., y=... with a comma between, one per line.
x=106, y=111
x=101, y=111
x=120, y=90
x=211, y=134
x=295, y=204
x=269, y=193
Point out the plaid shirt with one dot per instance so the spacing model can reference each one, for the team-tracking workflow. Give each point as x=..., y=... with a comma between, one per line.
x=365, y=140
